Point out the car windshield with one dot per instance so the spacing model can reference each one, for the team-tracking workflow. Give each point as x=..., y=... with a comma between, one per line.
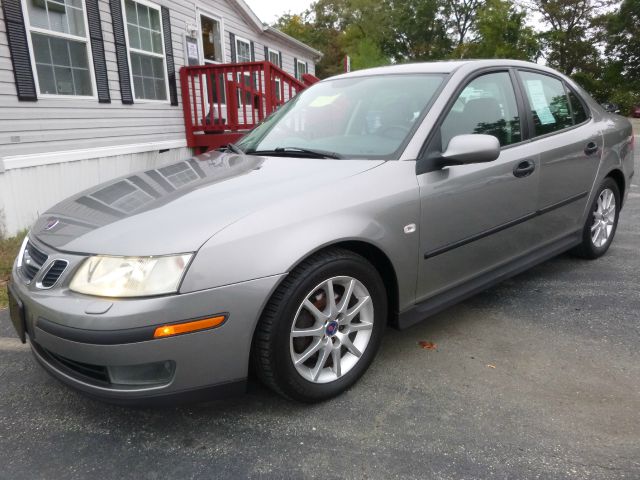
x=362, y=117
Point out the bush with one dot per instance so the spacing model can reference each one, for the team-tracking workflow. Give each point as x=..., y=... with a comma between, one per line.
x=626, y=100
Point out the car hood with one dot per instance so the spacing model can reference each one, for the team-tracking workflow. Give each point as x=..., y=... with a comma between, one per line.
x=178, y=207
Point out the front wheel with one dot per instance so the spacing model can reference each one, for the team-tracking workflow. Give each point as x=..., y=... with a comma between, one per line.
x=322, y=327
x=602, y=221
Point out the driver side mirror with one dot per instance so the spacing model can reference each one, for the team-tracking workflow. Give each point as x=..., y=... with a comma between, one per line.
x=473, y=148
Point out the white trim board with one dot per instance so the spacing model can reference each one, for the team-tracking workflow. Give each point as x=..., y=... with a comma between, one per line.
x=48, y=158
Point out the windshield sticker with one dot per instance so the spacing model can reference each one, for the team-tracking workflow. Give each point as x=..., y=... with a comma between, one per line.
x=324, y=101
x=539, y=102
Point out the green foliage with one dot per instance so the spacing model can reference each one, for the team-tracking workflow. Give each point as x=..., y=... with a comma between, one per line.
x=595, y=43
x=626, y=100
x=8, y=250
x=502, y=33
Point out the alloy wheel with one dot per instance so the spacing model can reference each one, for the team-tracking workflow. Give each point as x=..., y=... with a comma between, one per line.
x=604, y=218
x=331, y=329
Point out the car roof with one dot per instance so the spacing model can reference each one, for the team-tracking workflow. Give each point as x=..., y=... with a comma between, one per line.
x=445, y=67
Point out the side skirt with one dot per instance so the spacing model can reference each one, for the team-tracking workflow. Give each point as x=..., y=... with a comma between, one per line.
x=442, y=301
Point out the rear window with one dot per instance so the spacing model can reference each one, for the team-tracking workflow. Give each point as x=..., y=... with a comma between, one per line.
x=548, y=102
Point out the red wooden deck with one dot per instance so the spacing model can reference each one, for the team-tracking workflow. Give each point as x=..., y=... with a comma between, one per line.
x=224, y=101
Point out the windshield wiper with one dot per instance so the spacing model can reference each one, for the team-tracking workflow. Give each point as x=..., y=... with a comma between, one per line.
x=295, y=151
x=232, y=147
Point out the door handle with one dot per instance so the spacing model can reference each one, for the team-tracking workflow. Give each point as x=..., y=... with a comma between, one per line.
x=524, y=169
x=591, y=148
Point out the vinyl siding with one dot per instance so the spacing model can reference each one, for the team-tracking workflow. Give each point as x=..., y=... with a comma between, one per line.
x=52, y=124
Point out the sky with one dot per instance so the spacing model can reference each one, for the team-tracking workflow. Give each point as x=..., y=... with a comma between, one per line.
x=269, y=10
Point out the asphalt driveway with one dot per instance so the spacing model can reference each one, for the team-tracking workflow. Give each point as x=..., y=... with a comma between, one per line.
x=536, y=378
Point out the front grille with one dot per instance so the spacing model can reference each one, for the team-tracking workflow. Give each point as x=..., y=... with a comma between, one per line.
x=32, y=261
x=54, y=272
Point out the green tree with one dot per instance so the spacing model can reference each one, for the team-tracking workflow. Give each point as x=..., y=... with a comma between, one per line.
x=623, y=40
x=502, y=33
x=569, y=39
x=418, y=30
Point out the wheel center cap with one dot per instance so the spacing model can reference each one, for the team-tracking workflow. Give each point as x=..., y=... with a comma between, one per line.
x=332, y=328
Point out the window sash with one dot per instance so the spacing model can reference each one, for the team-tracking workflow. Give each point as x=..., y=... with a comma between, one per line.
x=65, y=36
x=238, y=55
x=302, y=69
x=138, y=51
x=220, y=37
x=274, y=54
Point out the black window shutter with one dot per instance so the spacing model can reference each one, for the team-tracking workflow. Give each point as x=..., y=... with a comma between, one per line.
x=232, y=37
x=306, y=67
x=168, y=50
x=19, y=48
x=266, y=53
x=121, y=52
x=295, y=67
x=97, y=49
x=253, y=51
x=280, y=59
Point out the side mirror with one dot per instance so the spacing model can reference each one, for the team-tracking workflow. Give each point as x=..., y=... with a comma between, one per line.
x=474, y=148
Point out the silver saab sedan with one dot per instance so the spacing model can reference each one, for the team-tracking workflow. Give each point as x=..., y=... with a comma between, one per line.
x=373, y=198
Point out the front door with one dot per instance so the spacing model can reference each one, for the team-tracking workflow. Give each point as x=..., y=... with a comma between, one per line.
x=476, y=217
x=212, y=52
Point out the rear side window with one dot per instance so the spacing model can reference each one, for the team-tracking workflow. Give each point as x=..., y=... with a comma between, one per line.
x=548, y=102
x=487, y=105
x=579, y=113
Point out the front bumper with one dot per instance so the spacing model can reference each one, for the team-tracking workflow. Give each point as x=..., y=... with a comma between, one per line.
x=82, y=345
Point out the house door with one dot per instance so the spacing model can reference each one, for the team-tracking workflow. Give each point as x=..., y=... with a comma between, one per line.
x=212, y=52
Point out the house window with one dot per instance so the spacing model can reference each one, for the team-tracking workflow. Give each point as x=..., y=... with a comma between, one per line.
x=146, y=50
x=302, y=69
x=60, y=49
x=211, y=31
x=243, y=50
x=274, y=57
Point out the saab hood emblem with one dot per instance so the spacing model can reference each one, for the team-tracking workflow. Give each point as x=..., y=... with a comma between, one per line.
x=51, y=223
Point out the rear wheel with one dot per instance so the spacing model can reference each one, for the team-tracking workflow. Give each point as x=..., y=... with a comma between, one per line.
x=322, y=327
x=602, y=221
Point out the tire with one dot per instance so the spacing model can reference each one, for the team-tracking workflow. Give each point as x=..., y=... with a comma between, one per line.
x=302, y=302
x=594, y=246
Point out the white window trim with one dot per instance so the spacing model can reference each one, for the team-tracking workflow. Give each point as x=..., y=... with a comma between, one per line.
x=144, y=52
x=270, y=51
x=52, y=33
x=243, y=40
x=201, y=12
x=304, y=64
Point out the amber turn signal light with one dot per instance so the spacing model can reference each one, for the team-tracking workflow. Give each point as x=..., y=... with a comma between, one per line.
x=187, y=327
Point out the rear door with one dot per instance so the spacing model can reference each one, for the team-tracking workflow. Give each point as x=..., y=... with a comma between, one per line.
x=476, y=217
x=569, y=146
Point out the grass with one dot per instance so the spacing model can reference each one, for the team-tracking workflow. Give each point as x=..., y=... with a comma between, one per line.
x=8, y=250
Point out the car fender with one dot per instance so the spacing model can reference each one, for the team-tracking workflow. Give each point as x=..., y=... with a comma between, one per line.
x=373, y=207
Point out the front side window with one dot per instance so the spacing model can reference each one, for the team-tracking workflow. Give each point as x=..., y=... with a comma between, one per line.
x=487, y=105
x=146, y=51
x=58, y=34
x=364, y=117
x=211, y=40
x=548, y=102
x=243, y=50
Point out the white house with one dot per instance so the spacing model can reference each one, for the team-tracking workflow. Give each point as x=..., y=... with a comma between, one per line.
x=89, y=88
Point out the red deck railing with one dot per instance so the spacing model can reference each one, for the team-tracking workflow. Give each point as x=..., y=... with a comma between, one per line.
x=222, y=102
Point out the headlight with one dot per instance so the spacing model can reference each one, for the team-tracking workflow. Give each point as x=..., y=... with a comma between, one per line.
x=105, y=276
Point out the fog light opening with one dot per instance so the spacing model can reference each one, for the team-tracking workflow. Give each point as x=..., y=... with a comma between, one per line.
x=156, y=373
